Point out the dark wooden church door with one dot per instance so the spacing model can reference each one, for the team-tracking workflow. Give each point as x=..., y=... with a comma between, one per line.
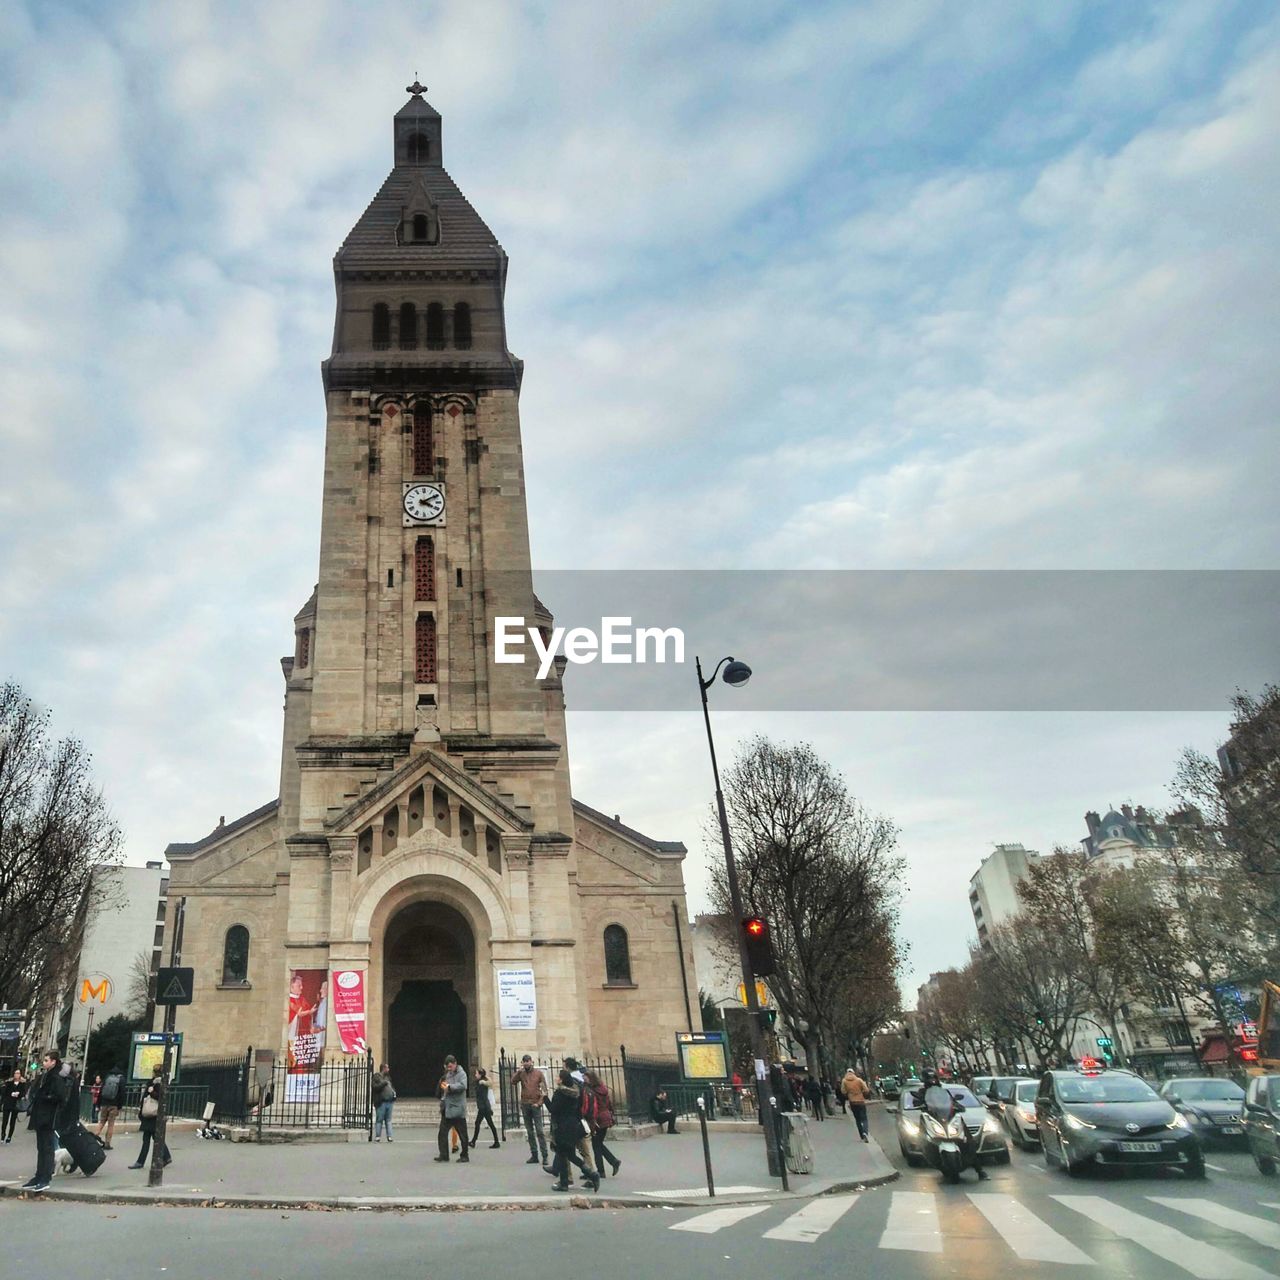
x=427, y=1022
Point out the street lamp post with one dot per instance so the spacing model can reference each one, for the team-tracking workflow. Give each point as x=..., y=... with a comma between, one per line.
x=738, y=673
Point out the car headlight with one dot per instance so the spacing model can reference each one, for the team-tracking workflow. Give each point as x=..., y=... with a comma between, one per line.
x=991, y=1124
x=1179, y=1121
x=1028, y=1116
x=1075, y=1122
x=911, y=1126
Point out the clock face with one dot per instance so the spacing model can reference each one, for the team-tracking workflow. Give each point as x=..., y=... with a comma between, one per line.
x=423, y=504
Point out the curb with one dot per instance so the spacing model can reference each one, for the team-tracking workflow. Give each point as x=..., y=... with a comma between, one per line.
x=432, y=1204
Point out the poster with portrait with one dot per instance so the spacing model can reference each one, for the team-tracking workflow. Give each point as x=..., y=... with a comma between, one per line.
x=347, y=989
x=306, y=1021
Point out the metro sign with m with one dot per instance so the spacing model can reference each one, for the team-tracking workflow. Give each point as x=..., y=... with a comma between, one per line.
x=99, y=990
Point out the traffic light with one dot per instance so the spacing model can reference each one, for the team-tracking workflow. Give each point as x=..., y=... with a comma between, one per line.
x=769, y=1017
x=755, y=929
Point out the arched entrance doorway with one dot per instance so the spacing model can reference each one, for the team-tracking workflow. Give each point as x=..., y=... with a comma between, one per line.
x=429, y=993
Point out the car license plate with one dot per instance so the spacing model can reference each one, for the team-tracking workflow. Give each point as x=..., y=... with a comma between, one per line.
x=1232, y=1128
x=1139, y=1146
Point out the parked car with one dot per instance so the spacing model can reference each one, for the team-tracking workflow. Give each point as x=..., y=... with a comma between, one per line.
x=1019, y=1114
x=1214, y=1107
x=1110, y=1117
x=992, y=1146
x=1262, y=1122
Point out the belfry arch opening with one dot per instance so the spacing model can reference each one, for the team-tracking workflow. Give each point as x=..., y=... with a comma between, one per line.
x=429, y=993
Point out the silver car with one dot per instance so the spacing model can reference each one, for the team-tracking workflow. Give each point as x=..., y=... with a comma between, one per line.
x=1019, y=1114
x=992, y=1148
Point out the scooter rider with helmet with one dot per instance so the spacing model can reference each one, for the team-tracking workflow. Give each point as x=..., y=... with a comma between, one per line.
x=934, y=1097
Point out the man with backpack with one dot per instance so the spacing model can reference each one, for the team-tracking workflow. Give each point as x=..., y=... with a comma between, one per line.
x=110, y=1100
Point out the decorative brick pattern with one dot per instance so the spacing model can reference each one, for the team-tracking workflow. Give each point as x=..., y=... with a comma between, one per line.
x=424, y=570
x=425, y=649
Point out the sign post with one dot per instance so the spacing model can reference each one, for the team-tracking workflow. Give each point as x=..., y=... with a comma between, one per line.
x=174, y=986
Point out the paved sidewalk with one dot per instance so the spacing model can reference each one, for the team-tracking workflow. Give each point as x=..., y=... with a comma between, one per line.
x=660, y=1170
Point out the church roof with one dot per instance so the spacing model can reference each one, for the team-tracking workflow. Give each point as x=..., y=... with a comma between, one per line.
x=224, y=829
x=465, y=239
x=614, y=824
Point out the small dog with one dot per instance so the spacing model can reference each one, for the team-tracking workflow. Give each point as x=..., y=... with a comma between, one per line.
x=62, y=1161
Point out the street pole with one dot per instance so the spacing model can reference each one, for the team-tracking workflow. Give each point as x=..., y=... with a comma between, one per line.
x=754, y=1026
x=155, y=1176
x=88, y=1035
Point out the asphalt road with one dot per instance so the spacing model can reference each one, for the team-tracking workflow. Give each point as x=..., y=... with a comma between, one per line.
x=1026, y=1221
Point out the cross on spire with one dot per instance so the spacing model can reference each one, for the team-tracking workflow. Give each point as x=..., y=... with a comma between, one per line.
x=416, y=88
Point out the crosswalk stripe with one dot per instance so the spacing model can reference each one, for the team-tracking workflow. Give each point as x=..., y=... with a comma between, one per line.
x=1024, y=1233
x=913, y=1223
x=1246, y=1224
x=814, y=1220
x=1217, y=1168
x=718, y=1219
x=1194, y=1256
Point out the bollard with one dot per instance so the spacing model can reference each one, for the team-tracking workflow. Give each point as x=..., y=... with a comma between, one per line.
x=777, y=1136
x=706, y=1145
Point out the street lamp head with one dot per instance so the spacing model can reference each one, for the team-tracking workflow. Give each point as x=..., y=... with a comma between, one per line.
x=736, y=673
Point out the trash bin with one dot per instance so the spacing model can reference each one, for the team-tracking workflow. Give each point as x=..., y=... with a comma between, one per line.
x=797, y=1145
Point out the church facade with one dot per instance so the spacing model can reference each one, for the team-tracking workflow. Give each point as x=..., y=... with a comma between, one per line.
x=425, y=835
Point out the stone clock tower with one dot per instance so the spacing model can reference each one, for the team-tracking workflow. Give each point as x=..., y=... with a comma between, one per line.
x=425, y=831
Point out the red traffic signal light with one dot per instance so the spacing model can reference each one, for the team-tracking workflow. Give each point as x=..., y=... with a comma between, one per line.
x=755, y=929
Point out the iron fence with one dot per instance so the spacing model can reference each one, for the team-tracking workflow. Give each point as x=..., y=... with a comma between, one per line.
x=185, y=1101
x=337, y=1095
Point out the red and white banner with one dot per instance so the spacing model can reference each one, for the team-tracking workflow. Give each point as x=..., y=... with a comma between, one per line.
x=304, y=1034
x=348, y=1008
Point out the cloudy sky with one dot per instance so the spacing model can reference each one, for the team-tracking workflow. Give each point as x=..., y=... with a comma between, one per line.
x=891, y=285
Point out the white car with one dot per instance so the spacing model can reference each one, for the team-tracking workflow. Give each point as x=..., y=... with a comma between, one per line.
x=1019, y=1114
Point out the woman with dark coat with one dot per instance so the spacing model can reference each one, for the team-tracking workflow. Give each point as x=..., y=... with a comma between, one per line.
x=484, y=1108
x=147, y=1123
x=566, y=1131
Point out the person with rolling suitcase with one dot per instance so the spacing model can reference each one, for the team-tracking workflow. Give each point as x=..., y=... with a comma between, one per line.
x=85, y=1150
x=47, y=1097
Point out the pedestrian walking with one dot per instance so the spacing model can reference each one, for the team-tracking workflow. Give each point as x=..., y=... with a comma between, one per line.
x=853, y=1089
x=148, y=1112
x=566, y=1129
x=532, y=1087
x=48, y=1094
x=384, y=1096
x=812, y=1088
x=110, y=1100
x=586, y=1113
x=95, y=1092
x=603, y=1122
x=15, y=1089
x=453, y=1110
x=484, y=1109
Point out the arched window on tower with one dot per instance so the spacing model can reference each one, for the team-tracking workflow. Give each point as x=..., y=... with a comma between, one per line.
x=435, y=327
x=462, y=326
x=617, y=957
x=420, y=227
x=381, y=326
x=424, y=570
x=423, y=454
x=417, y=149
x=425, y=649
x=408, y=326
x=235, y=957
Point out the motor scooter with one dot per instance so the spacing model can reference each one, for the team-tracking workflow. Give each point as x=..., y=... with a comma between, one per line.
x=947, y=1145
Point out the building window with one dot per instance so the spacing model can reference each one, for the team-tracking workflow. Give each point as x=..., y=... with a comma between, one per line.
x=381, y=326
x=424, y=570
x=420, y=226
x=235, y=957
x=435, y=327
x=417, y=148
x=617, y=957
x=423, y=463
x=425, y=649
x=408, y=326
x=304, y=648
x=462, y=326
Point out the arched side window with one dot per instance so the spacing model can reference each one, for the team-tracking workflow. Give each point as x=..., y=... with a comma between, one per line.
x=617, y=956
x=423, y=460
x=424, y=570
x=235, y=957
x=435, y=327
x=425, y=649
x=408, y=326
x=462, y=326
x=381, y=326
x=420, y=227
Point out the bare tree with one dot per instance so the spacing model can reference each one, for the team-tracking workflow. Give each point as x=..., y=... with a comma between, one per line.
x=820, y=869
x=142, y=989
x=54, y=831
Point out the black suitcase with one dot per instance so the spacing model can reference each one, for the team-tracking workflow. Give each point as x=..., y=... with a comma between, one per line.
x=84, y=1149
